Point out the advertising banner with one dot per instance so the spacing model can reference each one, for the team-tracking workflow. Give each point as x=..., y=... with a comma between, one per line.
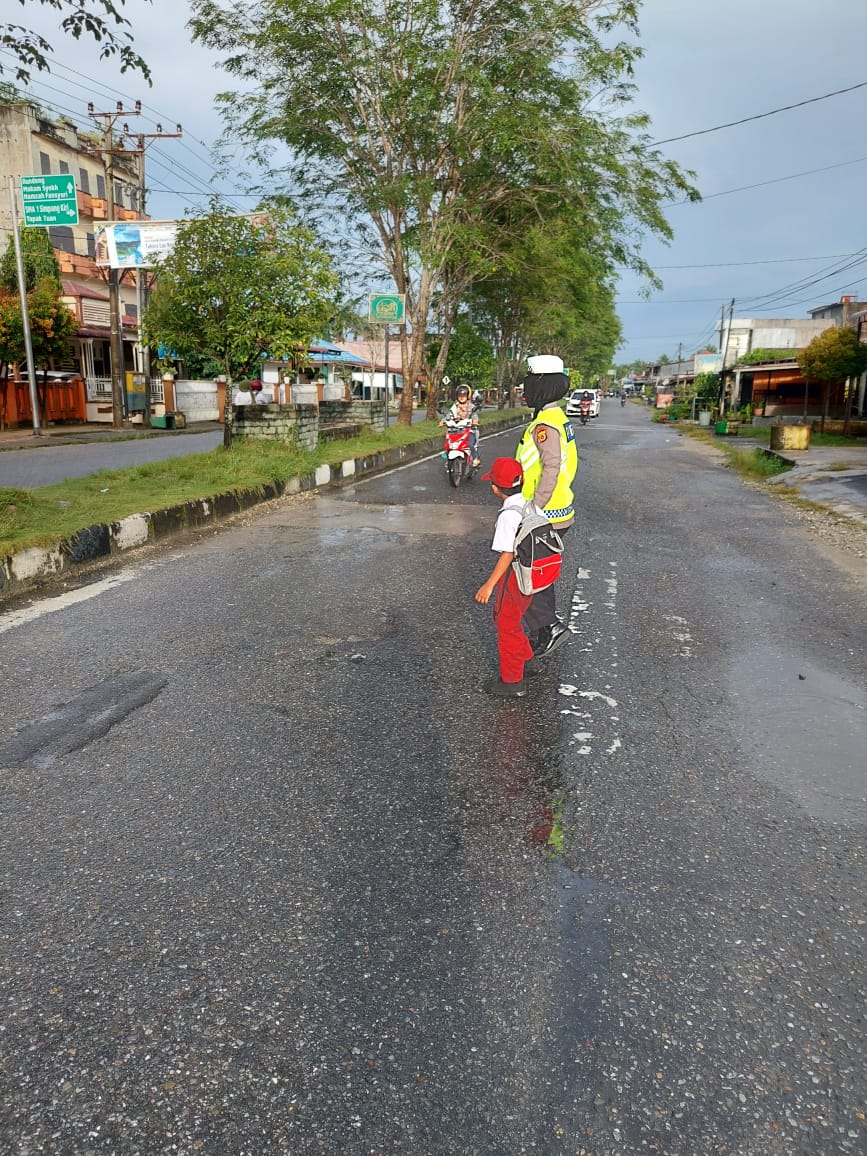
x=134, y=244
x=708, y=363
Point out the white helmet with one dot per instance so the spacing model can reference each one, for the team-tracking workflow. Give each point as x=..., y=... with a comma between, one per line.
x=545, y=363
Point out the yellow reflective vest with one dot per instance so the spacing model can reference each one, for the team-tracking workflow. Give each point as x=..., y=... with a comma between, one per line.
x=560, y=507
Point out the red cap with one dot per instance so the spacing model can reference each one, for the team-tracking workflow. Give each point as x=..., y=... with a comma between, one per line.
x=505, y=473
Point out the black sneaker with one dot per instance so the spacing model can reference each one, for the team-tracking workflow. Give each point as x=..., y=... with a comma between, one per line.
x=557, y=635
x=501, y=689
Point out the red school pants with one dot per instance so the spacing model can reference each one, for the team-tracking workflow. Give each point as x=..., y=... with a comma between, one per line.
x=513, y=646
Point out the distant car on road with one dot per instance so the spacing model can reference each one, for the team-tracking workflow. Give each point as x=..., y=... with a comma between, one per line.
x=574, y=400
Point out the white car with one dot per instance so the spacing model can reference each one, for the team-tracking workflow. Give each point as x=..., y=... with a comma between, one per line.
x=574, y=401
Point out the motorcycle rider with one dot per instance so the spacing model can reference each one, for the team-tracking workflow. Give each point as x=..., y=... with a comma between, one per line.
x=463, y=409
x=549, y=458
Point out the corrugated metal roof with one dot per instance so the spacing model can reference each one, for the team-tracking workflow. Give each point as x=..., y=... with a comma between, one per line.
x=73, y=288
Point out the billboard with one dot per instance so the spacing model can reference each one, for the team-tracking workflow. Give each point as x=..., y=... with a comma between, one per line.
x=134, y=244
x=707, y=363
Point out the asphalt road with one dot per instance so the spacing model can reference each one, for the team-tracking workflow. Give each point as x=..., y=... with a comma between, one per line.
x=280, y=879
x=45, y=463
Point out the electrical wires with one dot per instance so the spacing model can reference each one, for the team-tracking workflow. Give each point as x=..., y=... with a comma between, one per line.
x=760, y=115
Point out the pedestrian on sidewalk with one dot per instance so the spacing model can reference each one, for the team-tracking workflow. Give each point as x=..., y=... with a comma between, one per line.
x=506, y=477
x=549, y=457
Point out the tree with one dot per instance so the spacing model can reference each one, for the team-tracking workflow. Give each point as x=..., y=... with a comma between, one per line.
x=833, y=355
x=237, y=289
x=444, y=128
x=100, y=19
x=51, y=322
x=37, y=257
x=470, y=356
x=553, y=296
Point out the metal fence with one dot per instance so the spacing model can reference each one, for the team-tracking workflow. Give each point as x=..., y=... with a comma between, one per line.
x=99, y=389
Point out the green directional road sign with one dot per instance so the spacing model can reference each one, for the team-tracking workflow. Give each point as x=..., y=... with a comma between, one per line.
x=387, y=308
x=49, y=200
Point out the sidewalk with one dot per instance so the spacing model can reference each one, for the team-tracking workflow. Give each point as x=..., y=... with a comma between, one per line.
x=76, y=435
x=831, y=476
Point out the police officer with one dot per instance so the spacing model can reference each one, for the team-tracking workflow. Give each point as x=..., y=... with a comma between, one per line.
x=549, y=456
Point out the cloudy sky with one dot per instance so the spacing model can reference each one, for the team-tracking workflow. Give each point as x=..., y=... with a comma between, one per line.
x=793, y=241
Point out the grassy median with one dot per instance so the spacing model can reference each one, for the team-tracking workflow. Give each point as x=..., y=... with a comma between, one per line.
x=48, y=514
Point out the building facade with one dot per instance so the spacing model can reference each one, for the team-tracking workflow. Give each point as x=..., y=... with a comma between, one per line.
x=32, y=144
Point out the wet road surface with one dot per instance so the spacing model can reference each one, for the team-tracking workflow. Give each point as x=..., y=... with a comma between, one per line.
x=280, y=879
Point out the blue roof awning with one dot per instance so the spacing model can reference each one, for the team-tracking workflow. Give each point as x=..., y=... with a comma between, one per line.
x=321, y=352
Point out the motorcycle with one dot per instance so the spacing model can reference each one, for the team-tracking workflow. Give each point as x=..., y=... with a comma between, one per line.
x=584, y=412
x=623, y=399
x=457, y=451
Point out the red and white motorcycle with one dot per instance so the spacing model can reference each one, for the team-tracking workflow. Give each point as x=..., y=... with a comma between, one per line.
x=457, y=450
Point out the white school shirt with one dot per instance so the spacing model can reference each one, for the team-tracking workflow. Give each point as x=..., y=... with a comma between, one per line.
x=508, y=521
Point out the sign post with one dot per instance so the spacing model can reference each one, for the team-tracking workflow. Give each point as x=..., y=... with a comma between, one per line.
x=25, y=314
x=386, y=309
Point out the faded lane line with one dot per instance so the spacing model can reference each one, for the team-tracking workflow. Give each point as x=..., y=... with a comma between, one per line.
x=681, y=635
x=62, y=601
x=581, y=741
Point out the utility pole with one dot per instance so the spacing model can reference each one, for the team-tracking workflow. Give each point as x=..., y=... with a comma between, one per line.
x=109, y=151
x=725, y=351
x=141, y=281
x=679, y=355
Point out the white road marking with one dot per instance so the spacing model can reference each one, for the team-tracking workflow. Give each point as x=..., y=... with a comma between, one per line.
x=62, y=601
x=572, y=691
x=602, y=642
x=682, y=636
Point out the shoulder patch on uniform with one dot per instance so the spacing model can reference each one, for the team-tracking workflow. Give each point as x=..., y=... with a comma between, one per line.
x=541, y=433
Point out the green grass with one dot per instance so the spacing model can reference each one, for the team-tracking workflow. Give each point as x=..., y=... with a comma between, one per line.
x=755, y=463
x=47, y=514
x=761, y=433
x=832, y=439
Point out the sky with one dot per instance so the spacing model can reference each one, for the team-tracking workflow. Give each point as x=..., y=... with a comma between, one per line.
x=777, y=249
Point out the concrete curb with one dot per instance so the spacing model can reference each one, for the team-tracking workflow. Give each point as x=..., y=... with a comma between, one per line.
x=37, y=567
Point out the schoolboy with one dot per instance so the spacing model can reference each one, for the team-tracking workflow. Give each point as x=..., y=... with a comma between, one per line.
x=506, y=476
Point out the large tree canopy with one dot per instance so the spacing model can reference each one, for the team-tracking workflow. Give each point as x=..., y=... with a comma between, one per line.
x=235, y=289
x=446, y=127
x=100, y=19
x=833, y=355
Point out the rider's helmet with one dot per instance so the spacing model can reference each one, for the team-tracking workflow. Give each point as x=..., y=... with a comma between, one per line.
x=462, y=393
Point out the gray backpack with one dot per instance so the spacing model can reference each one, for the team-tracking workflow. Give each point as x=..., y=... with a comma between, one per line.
x=538, y=551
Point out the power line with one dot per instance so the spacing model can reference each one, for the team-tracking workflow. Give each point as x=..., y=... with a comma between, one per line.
x=668, y=301
x=804, y=300
x=79, y=119
x=759, y=115
x=761, y=184
x=767, y=261
x=785, y=291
